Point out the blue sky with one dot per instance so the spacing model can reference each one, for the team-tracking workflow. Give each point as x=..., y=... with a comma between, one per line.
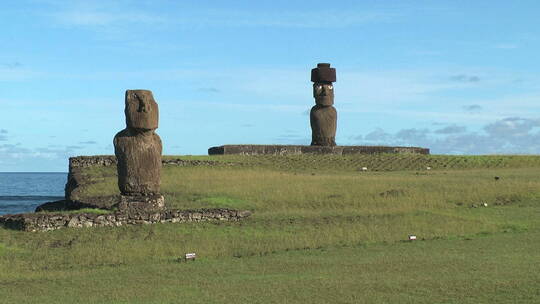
x=459, y=77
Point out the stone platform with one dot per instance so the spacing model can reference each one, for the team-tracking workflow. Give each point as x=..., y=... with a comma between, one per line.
x=46, y=221
x=297, y=150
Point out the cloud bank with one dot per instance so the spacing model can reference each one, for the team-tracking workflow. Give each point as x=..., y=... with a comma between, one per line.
x=511, y=135
x=3, y=134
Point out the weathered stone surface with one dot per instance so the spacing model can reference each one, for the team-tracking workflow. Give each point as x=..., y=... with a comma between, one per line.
x=323, y=125
x=136, y=204
x=141, y=110
x=139, y=161
x=101, y=202
x=52, y=221
x=78, y=163
x=137, y=148
x=323, y=94
x=297, y=150
x=323, y=116
x=323, y=73
x=53, y=206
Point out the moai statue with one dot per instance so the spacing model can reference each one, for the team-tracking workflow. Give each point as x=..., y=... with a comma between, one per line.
x=323, y=115
x=138, y=151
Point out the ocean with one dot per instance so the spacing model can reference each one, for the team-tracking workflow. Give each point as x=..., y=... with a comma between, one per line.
x=23, y=192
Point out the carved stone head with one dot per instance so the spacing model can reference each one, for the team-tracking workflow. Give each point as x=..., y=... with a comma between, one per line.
x=323, y=90
x=323, y=93
x=142, y=111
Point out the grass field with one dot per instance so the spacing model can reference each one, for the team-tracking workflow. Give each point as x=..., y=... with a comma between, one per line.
x=323, y=231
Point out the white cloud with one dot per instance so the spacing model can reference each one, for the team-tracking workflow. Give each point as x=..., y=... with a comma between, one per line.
x=16, y=152
x=377, y=135
x=90, y=18
x=512, y=128
x=465, y=78
x=472, y=108
x=451, y=129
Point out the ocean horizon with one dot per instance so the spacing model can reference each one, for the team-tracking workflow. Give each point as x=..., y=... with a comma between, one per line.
x=22, y=192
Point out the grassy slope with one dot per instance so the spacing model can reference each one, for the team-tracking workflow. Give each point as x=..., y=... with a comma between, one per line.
x=321, y=232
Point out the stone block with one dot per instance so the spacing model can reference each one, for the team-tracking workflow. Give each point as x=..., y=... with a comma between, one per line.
x=323, y=125
x=323, y=73
x=139, y=162
x=141, y=204
x=141, y=110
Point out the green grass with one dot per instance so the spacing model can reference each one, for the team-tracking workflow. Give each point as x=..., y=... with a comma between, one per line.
x=322, y=232
x=496, y=269
x=377, y=162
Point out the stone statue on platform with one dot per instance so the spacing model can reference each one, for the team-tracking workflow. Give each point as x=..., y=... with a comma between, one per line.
x=138, y=151
x=323, y=116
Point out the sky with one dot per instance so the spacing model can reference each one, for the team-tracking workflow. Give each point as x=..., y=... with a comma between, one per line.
x=458, y=77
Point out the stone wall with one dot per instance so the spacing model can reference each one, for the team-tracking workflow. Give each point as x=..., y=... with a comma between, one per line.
x=297, y=150
x=92, y=161
x=78, y=179
x=110, y=160
x=52, y=221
